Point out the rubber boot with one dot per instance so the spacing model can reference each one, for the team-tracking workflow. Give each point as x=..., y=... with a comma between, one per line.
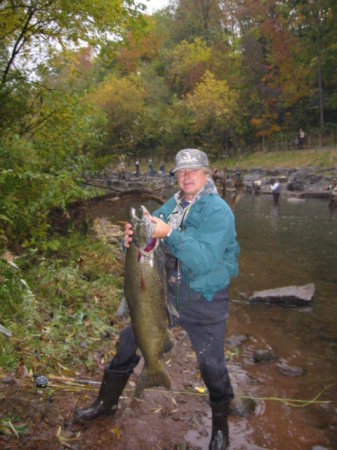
x=220, y=439
x=106, y=403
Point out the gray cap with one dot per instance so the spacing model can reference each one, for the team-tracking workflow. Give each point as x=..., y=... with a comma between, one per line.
x=191, y=158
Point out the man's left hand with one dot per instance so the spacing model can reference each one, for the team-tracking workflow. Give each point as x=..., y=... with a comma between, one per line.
x=162, y=228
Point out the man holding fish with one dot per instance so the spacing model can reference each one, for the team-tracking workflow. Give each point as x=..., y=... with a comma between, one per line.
x=197, y=230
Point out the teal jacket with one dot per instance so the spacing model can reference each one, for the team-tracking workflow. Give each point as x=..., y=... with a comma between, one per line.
x=207, y=247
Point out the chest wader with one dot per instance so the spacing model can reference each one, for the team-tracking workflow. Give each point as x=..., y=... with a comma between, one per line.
x=115, y=377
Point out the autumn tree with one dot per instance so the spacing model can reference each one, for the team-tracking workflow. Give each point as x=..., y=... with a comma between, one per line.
x=214, y=107
x=189, y=63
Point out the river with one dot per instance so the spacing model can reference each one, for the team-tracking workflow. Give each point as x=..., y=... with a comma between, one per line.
x=293, y=243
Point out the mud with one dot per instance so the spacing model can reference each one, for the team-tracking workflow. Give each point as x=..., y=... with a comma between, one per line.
x=159, y=420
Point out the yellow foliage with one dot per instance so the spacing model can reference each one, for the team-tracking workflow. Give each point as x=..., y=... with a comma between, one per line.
x=121, y=98
x=212, y=102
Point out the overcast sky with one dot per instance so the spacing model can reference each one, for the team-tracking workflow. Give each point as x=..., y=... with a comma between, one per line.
x=153, y=5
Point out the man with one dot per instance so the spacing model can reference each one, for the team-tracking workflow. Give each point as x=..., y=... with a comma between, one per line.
x=198, y=231
x=276, y=190
x=300, y=139
x=137, y=168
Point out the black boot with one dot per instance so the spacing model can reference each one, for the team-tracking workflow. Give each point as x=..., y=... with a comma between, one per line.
x=106, y=403
x=219, y=440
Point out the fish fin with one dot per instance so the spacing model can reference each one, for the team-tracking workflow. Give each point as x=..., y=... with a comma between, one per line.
x=147, y=380
x=172, y=313
x=168, y=343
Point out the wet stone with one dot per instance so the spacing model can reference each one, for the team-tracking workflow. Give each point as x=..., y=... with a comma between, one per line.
x=235, y=341
x=8, y=380
x=290, y=371
x=264, y=355
x=285, y=296
x=129, y=412
x=242, y=407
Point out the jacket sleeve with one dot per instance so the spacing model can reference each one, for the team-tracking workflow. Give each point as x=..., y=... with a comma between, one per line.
x=201, y=248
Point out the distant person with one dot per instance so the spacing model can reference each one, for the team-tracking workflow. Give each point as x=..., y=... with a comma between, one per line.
x=333, y=193
x=300, y=139
x=121, y=170
x=276, y=190
x=256, y=186
x=237, y=178
x=162, y=168
x=137, y=168
x=172, y=179
x=151, y=167
x=215, y=172
x=333, y=184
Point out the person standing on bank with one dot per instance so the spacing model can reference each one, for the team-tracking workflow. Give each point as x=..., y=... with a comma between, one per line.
x=198, y=230
x=300, y=139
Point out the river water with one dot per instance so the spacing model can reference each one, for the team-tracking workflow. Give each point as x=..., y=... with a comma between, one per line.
x=293, y=243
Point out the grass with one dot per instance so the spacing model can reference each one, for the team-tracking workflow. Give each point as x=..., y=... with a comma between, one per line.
x=60, y=307
x=291, y=159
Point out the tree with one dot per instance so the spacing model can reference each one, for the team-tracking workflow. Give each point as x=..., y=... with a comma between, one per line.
x=122, y=99
x=29, y=28
x=189, y=63
x=196, y=19
x=214, y=107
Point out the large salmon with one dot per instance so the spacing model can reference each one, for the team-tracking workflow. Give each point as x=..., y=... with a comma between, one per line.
x=146, y=294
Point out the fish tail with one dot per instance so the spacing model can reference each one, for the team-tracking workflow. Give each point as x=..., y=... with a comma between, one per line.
x=147, y=380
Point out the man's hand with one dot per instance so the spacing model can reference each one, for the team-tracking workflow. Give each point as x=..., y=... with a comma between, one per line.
x=162, y=228
x=127, y=235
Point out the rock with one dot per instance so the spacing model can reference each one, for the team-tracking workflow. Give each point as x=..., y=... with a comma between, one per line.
x=8, y=380
x=289, y=371
x=289, y=295
x=242, y=407
x=236, y=340
x=264, y=355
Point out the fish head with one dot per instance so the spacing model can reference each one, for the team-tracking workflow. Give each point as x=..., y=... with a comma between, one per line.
x=143, y=227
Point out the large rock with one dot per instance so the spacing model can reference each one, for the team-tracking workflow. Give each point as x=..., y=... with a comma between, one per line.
x=289, y=295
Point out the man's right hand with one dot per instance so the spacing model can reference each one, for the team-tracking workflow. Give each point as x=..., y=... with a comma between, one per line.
x=127, y=235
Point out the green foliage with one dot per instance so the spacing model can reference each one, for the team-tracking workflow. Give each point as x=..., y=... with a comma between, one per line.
x=58, y=306
x=189, y=63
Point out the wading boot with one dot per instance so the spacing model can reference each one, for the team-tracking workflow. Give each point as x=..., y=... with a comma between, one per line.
x=106, y=403
x=219, y=440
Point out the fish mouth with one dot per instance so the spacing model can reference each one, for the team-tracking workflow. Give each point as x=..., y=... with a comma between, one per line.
x=144, y=213
x=144, y=220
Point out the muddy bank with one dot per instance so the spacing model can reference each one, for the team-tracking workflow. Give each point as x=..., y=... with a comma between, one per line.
x=42, y=418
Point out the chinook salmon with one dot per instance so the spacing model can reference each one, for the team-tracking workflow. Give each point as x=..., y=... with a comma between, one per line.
x=146, y=295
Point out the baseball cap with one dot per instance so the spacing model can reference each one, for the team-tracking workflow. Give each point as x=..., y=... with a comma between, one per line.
x=191, y=158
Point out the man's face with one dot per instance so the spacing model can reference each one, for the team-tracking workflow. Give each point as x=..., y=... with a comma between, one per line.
x=191, y=181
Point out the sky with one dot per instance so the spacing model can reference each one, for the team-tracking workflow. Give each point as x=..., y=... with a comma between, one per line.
x=153, y=5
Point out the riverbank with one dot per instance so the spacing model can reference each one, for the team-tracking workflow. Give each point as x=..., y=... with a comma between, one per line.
x=324, y=159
